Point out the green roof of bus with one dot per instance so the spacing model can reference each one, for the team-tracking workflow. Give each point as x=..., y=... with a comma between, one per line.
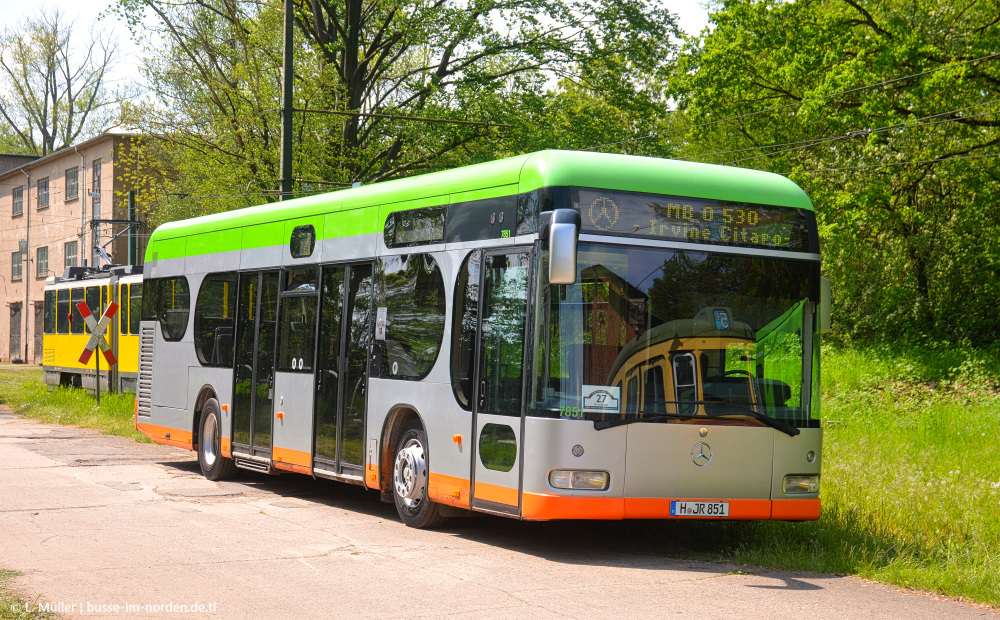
x=520, y=174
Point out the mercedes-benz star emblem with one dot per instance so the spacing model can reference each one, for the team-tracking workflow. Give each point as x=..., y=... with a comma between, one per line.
x=701, y=454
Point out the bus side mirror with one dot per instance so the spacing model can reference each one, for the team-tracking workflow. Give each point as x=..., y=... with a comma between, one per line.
x=561, y=228
x=825, y=301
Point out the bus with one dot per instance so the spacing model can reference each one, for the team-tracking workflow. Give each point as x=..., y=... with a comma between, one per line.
x=559, y=335
x=64, y=334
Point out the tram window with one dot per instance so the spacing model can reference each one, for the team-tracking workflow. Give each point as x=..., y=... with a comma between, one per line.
x=632, y=396
x=463, y=331
x=214, y=319
x=135, y=308
x=62, y=311
x=94, y=303
x=50, y=313
x=123, y=308
x=412, y=291
x=653, y=400
x=76, y=320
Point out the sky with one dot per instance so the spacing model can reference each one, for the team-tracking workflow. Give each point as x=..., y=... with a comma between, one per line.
x=693, y=17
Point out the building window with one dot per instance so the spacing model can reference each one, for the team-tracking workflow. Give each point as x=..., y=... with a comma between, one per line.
x=43, y=193
x=41, y=262
x=15, y=265
x=72, y=183
x=69, y=254
x=18, y=196
x=95, y=188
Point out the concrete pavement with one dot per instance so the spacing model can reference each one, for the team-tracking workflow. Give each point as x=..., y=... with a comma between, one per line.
x=96, y=522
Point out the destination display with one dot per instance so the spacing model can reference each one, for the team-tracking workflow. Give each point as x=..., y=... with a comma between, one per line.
x=693, y=220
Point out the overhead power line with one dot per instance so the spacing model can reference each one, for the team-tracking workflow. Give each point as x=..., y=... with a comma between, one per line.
x=795, y=104
x=402, y=117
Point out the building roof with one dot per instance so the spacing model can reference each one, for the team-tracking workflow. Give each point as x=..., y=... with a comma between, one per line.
x=36, y=161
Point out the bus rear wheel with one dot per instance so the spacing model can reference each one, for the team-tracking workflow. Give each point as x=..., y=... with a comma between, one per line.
x=214, y=466
x=409, y=480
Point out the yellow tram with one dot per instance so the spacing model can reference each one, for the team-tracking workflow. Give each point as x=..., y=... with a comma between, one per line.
x=66, y=335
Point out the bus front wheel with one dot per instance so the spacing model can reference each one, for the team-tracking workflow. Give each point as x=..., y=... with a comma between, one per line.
x=409, y=480
x=214, y=466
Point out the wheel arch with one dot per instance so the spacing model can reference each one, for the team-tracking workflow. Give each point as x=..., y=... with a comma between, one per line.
x=206, y=392
x=398, y=418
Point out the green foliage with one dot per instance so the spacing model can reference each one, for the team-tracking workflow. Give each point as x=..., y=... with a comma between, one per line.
x=13, y=607
x=216, y=76
x=22, y=389
x=904, y=173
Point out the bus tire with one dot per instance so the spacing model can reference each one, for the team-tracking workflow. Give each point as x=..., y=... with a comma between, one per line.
x=409, y=480
x=214, y=466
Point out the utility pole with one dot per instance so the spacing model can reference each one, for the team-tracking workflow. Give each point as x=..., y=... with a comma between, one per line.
x=286, y=108
x=25, y=269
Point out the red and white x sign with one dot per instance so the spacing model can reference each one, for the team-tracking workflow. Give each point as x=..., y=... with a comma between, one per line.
x=97, y=329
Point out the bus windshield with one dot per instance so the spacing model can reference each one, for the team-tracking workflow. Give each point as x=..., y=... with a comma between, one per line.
x=677, y=335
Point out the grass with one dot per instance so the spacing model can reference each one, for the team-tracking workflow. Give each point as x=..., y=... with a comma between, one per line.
x=911, y=471
x=13, y=607
x=23, y=390
x=911, y=476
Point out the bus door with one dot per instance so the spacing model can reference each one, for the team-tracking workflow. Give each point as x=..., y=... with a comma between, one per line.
x=253, y=391
x=497, y=442
x=345, y=333
x=294, y=365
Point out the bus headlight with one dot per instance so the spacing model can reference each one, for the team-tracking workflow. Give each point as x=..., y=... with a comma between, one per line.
x=801, y=484
x=579, y=480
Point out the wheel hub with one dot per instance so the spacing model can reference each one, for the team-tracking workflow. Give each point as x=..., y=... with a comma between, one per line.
x=210, y=437
x=410, y=472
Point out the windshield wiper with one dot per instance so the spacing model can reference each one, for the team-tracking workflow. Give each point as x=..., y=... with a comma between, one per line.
x=600, y=425
x=774, y=423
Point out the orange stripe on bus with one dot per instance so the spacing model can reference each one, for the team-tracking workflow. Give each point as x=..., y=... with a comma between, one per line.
x=299, y=469
x=284, y=456
x=178, y=438
x=448, y=490
x=795, y=509
x=226, y=450
x=659, y=508
x=542, y=507
x=494, y=493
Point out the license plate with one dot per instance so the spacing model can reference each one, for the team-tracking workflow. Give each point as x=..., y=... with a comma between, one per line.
x=689, y=508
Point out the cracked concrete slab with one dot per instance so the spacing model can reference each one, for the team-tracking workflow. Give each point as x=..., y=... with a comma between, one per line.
x=96, y=520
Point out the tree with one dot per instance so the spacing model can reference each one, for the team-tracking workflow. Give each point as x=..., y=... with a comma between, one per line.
x=216, y=79
x=51, y=93
x=887, y=114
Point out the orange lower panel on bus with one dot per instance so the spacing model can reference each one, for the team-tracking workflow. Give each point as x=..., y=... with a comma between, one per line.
x=448, y=490
x=227, y=451
x=165, y=435
x=543, y=507
x=291, y=460
x=795, y=509
x=496, y=494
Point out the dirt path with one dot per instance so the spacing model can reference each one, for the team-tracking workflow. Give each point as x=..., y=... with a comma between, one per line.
x=95, y=521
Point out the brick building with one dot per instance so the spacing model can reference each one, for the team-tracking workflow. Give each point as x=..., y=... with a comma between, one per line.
x=47, y=204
